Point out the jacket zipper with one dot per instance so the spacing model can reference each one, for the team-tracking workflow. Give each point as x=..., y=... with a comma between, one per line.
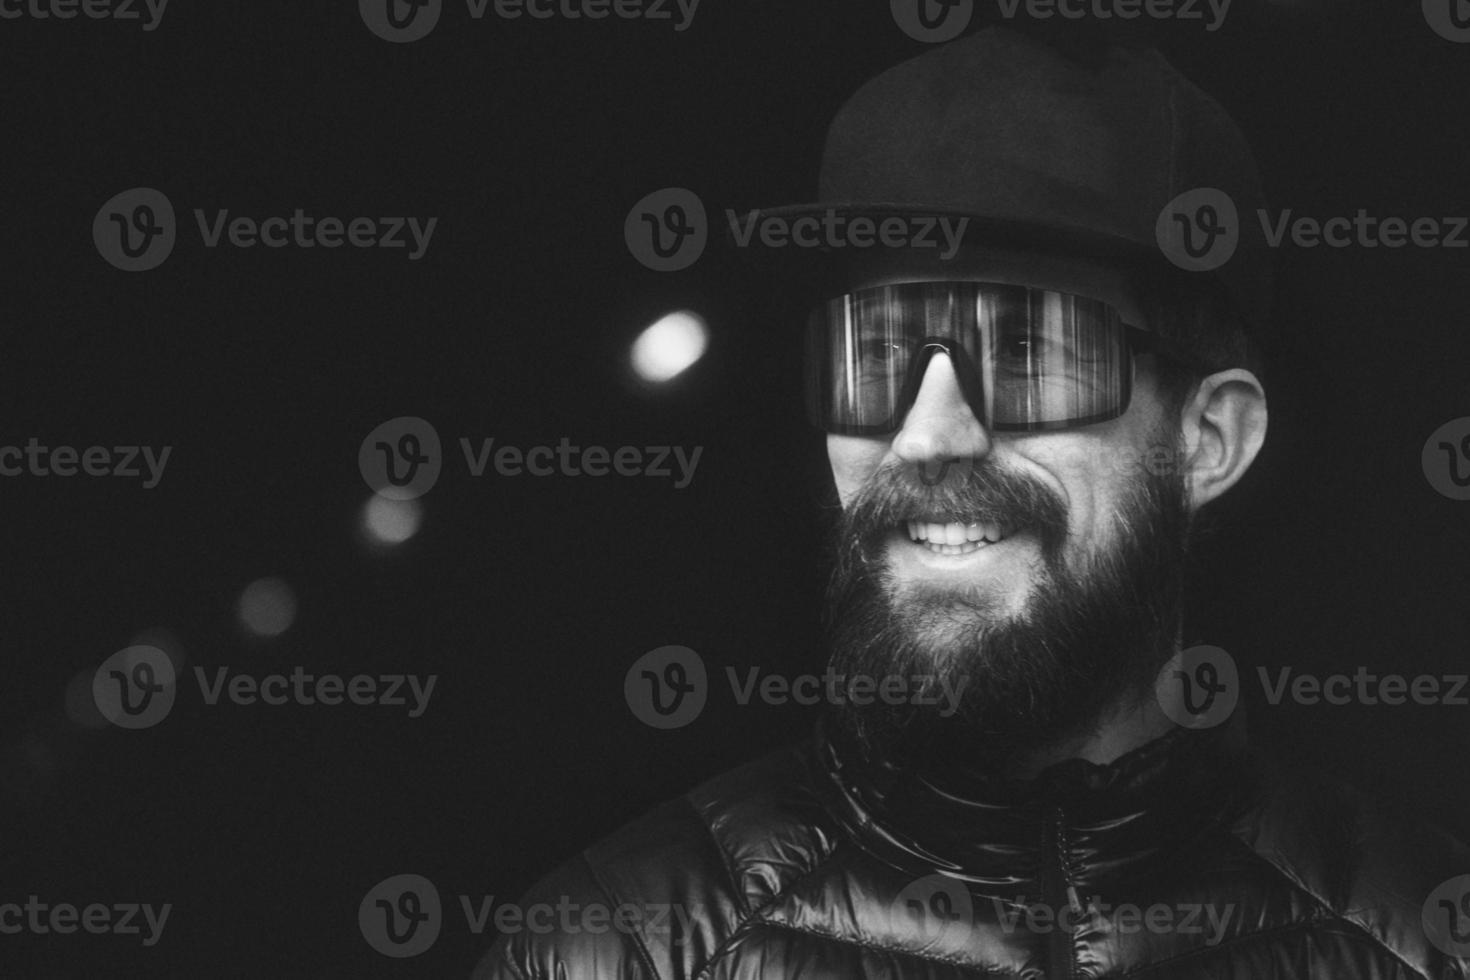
x=1057, y=891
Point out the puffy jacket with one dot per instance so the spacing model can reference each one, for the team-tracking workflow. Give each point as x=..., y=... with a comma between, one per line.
x=1189, y=857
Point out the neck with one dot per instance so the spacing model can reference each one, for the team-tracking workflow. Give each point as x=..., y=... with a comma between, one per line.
x=1122, y=730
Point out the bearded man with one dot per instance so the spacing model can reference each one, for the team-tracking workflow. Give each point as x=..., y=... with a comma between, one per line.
x=1022, y=434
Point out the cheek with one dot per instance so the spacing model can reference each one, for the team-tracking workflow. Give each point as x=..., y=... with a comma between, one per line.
x=1095, y=523
x=853, y=460
x=1092, y=476
x=1103, y=501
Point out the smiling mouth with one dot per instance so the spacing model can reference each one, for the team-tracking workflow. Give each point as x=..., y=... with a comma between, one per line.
x=955, y=537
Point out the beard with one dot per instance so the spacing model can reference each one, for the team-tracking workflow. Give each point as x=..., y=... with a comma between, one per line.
x=1091, y=635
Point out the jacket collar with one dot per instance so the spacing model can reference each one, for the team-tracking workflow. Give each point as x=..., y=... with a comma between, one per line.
x=1080, y=823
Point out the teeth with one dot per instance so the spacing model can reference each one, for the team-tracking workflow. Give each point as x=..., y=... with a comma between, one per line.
x=953, y=537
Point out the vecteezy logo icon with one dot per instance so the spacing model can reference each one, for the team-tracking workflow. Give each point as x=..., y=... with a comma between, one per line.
x=400, y=21
x=1446, y=916
x=401, y=458
x=667, y=687
x=1198, y=230
x=667, y=230
x=1198, y=687
x=135, y=687
x=932, y=21
x=135, y=230
x=401, y=916
x=1446, y=459
x=1450, y=19
x=936, y=907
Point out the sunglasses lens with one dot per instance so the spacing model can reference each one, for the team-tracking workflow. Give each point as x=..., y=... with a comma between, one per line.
x=1033, y=358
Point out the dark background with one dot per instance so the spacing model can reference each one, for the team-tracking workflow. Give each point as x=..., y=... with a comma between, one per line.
x=264, y=369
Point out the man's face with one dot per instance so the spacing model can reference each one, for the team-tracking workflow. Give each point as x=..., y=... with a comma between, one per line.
x=1092, y=470
x=1042, y=569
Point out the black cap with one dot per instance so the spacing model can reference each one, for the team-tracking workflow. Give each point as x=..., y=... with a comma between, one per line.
x=1053, y=155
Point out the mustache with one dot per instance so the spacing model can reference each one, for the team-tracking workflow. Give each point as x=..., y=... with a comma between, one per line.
x=972, y=490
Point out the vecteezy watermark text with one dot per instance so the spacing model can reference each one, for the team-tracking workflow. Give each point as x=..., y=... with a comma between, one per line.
x=668, y=688
x=667, y=230
x=309, y=689
x=1200, y=229
x=834, y=229
x=137, y=686
x=121, y=10
x=404, y=21
x=567, y=459
x=307, y=231
x=1126, y=918
x=1200, y=687
x=44, y=461
x=570, y=918
x=1181, y=10
x=1364, y=230
x=940, y=906
x=654, y=10
x=832, y=687
x=1365, y=687
x=136, y=230
x=63, y=918
x=402, y=916
x=402, y=459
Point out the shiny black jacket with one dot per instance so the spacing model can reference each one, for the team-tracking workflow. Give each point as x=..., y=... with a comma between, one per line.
x=1186, y=858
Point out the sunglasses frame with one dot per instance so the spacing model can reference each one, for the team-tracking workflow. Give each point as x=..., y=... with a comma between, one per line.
x=1134, y=340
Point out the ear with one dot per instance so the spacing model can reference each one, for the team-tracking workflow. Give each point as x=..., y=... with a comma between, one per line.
x=1223, y=426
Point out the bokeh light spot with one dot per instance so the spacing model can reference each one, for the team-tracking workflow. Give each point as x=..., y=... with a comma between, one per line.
x=670, y=346
x=388, y=521
x=267, y=607
x=81, y=707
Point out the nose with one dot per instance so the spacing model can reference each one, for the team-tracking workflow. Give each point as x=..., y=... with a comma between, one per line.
x=940, y=425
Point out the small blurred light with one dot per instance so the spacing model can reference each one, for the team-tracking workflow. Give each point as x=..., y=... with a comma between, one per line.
x=391, y=521
x=267, y=607
x=81, y=707
x=670, y=346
